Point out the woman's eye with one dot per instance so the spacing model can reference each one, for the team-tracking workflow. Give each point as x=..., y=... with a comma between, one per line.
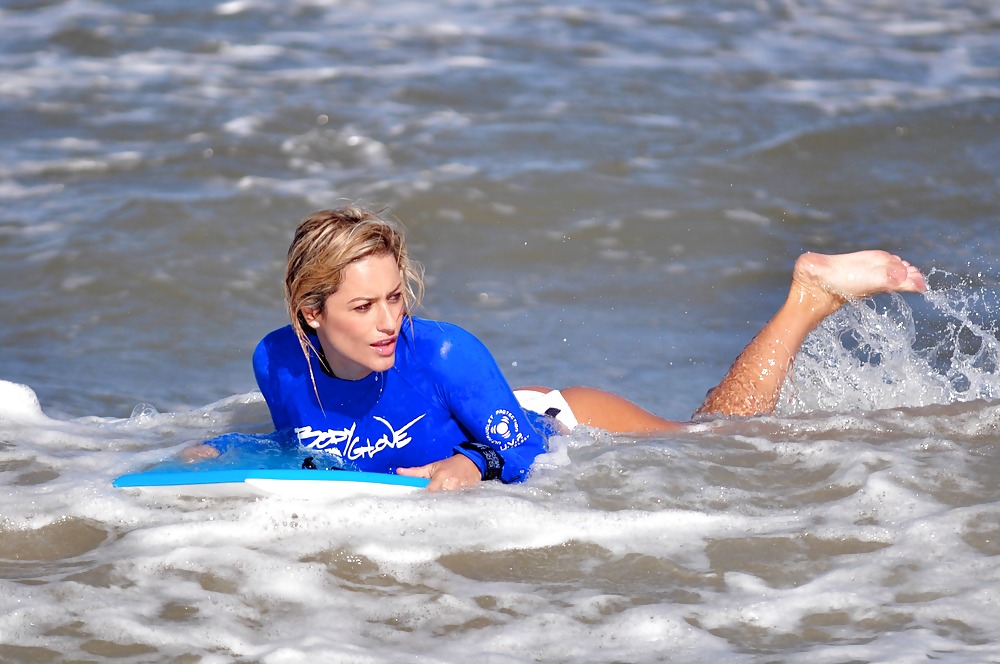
x=363, y=308
x=395, y=297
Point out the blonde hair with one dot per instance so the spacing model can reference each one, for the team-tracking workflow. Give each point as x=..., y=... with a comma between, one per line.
x=325, y=243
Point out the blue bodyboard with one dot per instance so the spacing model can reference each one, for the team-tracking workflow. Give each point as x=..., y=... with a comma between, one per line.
x=299, y=483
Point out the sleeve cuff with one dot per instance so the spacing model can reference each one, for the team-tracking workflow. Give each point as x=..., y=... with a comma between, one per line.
x=487, y=459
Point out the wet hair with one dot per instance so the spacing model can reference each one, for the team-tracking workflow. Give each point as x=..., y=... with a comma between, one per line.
x=325, y=243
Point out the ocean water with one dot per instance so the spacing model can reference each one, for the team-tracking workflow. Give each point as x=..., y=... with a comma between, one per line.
x=607, y=193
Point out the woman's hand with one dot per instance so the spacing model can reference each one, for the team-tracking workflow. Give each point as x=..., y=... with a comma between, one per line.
x=199, y=452
x=447, y=474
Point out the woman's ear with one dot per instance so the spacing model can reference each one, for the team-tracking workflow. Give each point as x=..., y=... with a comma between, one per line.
x=309, y=315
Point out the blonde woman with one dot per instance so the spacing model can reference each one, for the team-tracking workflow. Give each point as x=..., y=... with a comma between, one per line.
x=358, y=378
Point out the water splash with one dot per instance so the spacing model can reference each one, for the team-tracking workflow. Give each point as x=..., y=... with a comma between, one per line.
x=877, y=354
x=143, y=415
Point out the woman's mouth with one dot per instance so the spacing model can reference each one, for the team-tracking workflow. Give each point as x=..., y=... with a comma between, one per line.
x=385, y=347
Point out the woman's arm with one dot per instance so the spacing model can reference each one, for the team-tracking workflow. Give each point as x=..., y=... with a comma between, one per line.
x=502, y=442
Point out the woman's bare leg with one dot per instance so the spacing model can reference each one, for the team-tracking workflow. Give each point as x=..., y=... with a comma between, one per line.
x=820, y=285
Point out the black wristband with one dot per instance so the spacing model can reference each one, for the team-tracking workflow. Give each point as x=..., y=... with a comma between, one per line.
x=494, y=462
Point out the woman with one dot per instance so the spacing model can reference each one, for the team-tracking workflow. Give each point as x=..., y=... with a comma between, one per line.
x=357, y=378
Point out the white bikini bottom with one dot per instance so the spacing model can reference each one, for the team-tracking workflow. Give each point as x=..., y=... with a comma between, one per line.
x=551, y=403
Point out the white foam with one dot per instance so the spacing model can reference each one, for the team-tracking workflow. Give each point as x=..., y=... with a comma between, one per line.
x=12, y=189
x=232, y=8
x=19, y=403
x=251, y=52
x=244, y=126
x=596, y=547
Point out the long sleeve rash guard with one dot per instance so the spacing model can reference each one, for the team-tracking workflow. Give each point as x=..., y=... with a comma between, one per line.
x=444, y=390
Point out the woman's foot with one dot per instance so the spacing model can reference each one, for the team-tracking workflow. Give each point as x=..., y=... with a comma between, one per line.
x=829, y=280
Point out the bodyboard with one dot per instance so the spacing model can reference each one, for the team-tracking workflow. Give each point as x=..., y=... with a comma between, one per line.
x=293, y=483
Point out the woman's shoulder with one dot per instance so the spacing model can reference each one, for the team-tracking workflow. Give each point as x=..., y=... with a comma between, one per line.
x=426, y=332
x=276, y=348
x=440, y=344
x=430, y=327
x=281, y=338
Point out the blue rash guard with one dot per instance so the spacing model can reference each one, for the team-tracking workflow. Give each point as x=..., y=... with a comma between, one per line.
x=444, y=395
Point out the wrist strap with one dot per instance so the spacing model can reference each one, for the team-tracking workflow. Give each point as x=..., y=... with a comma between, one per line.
x=494, y=462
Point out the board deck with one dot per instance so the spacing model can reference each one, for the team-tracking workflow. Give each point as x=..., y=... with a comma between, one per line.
x=291, y=483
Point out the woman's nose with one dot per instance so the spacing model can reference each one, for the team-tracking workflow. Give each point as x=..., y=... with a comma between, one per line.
x=387, y=317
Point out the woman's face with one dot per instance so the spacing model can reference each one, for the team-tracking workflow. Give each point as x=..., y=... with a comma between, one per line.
x=359, y=325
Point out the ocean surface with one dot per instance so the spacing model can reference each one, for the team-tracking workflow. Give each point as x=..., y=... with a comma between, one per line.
x=607, y=193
